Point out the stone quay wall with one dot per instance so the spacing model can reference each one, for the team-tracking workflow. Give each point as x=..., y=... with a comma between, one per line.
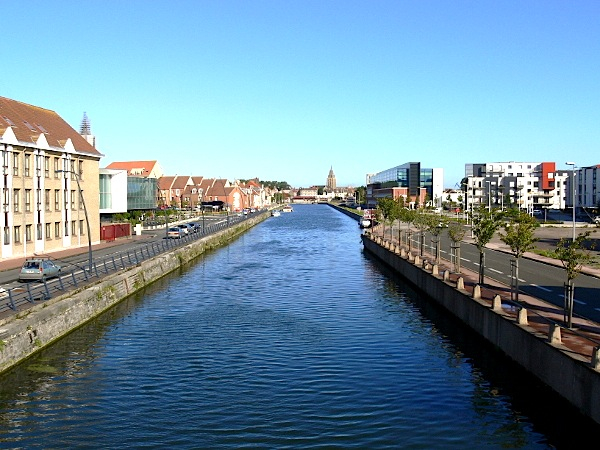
x=571, y=376
x=44, y=323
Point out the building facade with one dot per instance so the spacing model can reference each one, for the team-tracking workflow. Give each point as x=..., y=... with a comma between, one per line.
x=529, y=186
x=422, y=186
x=50, y=180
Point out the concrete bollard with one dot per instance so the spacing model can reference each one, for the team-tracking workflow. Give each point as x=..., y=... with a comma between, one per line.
x=460, y=283
x=596, y=358
x=435, y=270
x=477, y=292
x=522, y=317
x=417, y=260
x=403, y=252
x=446, y=275
x=554, y=334
x=497, y=303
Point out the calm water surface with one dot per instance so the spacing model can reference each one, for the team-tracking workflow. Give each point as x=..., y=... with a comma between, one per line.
x=290, y=337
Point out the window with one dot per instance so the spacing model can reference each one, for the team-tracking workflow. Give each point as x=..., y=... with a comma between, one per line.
x=6, y=195
x=56, y=167
x=6, y=235
x=72, y=199
x=56, y=199
x=72, y=169
x=16, y=164
x=27, y=164
x=38, y=165
x=48, y=230
x=16, y=198
x=27, y=200
x=66, y=199
x=81, y=229
x=80, y=172
x=66, y=228
x=73, y=229
x=28, y=233
x=47, y=166
x=47, y=200
x=17, y=234
x=56, y=230
x=40, y=235
x=38, y=199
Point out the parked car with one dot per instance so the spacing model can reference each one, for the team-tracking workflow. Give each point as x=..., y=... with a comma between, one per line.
x=174, y=233
x=195, y=226
x=39, y=269
x=597, y=220
x=187, y=229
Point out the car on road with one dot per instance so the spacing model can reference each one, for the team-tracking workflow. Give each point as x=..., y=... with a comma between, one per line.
x=39, y=269
x=195, y=226
x=187, y=229
x=175, y=233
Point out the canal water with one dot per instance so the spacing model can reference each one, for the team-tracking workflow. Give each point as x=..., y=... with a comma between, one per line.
x=289, y=337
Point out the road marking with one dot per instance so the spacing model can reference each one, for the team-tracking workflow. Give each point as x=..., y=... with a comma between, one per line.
x=494, y=270
x=542, y=288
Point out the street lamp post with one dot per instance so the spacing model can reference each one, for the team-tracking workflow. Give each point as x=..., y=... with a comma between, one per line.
x=572, y=164
x=87, y=220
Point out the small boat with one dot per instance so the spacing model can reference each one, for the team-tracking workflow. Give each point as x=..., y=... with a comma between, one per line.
x=275, y=213
x=365, y=223
x=287, y=208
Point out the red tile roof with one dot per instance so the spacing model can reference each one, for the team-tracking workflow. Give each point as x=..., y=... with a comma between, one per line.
x=28, y=122
x=144, y=166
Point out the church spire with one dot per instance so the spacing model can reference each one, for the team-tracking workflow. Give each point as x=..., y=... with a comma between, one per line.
x=86, y=130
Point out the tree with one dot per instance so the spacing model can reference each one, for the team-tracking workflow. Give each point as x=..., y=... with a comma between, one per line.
x=436, y=225
x=484, y=224
x=387, y=209
x=408, y=216
x=456, y=233
x=573, y=255
x=519, y=236
x=421, y=221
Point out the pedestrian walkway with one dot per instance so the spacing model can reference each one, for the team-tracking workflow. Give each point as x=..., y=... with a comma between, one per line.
x=16, y=262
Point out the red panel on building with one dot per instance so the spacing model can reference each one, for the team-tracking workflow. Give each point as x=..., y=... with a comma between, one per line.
x=548, y=174
x=114, y=230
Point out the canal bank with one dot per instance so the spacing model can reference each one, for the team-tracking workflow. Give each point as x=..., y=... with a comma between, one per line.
x=530, y=333
x=27, y=332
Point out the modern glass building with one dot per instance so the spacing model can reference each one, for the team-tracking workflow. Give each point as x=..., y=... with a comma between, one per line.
x=411, y=176
x=141, y=193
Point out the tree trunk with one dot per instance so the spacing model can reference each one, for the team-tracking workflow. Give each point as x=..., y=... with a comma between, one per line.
x=481, y=267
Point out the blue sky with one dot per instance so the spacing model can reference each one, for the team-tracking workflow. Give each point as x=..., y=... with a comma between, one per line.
x=285, y=89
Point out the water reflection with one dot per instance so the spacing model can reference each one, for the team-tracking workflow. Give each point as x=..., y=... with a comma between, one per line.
x=290, y=337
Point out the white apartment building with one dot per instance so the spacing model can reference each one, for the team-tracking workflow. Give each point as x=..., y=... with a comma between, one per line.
x=527, y=185
x=586, y=193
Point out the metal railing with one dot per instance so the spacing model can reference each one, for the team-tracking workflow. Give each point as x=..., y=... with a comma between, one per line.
x=16, y=298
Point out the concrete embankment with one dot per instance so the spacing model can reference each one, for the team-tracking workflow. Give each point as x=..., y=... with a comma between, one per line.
x=571, y=373
x=44, y=323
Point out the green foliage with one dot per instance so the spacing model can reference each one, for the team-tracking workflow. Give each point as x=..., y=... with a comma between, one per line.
x=387, y=209
x=485, y=224
x=456, y=232
x=574, y=254
x=519, y=232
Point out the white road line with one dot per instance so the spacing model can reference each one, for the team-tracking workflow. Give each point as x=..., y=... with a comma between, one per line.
x=542, y=288
x=494, y=270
